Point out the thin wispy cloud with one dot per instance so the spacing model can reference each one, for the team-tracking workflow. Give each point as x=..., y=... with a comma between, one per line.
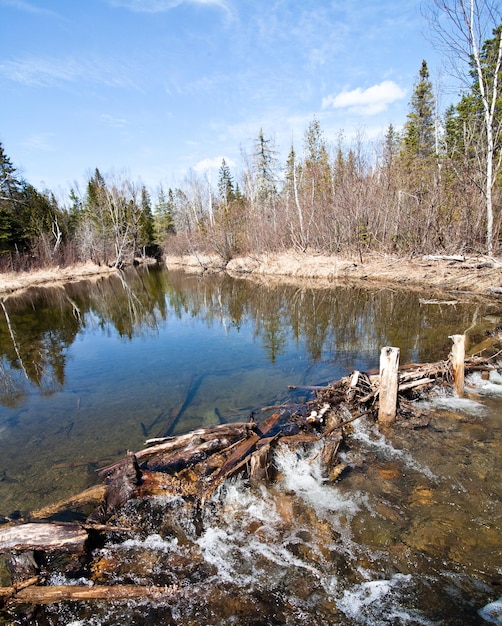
x=114, y=122
x=370, y=101
x=161, y=6
x=40, y=142
x=51, y=72
x=27, y=7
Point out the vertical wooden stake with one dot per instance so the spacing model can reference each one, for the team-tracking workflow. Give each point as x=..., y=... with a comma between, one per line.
x=457, y=358
x=389, y=380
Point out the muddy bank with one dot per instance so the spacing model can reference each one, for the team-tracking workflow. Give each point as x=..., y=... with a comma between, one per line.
x=481, y=275
x=442, y=274
x=15, y=282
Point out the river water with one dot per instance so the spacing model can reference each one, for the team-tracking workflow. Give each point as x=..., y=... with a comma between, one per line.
x=410, y=533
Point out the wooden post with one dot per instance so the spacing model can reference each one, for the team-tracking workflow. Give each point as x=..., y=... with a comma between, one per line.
x=457, y=358
x=389, y=380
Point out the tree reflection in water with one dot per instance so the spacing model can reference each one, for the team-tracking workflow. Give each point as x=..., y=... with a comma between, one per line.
x=91, y=368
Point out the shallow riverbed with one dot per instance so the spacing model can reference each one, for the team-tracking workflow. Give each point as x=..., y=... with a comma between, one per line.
x=411, y=534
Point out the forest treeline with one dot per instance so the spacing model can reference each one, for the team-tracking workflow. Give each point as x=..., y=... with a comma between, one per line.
x=434, y=186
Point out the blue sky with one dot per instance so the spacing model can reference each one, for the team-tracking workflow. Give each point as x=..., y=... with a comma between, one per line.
x=152, y=88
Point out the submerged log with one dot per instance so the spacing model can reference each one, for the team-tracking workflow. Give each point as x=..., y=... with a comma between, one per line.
x=89, y=497
x=194, y=465
x=37, y=594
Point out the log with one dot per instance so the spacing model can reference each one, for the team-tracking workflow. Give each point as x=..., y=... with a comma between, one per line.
x=457, y=359
x=120, y=488
x=187, y=457
x=259, y=465
x=234, y=430
x=439, y=302
x=389, y=378
x=37, y=594
x=93, y=495
x=43, y=536
x=22, y=566
x=331, y=444
x=8, y=592
x=241, y=452
x=415, y=383
x=443, y=257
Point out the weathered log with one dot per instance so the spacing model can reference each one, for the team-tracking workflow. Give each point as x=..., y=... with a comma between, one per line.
x=331, y=444
x=37, y=594
x=389, y=365
x=22, y=565
x=415, y=383
x=439, y=302
x=91, y=496
x=259, y=465
x=443, y=257
x=180, y=459
x=457, y=358
x=48, y=537
x=9, y=592
x=234, y=430
x=120, y=488
x=241, y=452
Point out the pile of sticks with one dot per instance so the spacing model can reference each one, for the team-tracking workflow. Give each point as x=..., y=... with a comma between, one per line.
x=195, y=464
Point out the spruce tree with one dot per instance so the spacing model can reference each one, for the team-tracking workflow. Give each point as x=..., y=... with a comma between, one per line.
x=419, y=130
x=225, y=184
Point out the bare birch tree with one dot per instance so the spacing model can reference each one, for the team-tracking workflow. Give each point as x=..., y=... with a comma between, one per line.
x=461, y=27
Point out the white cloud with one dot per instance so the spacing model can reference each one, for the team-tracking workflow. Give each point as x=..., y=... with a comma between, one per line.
x=160, y=6
x=212, y=164
x=370, y=101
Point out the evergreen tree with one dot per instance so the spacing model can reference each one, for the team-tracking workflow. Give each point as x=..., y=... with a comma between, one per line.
x=264, y=170
x=419, y=130
x=12, y=236
x=164, y=215
x=147, y=235
x=225, y=184
x=317, y=171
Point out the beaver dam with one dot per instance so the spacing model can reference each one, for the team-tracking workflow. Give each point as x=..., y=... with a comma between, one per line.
x=250, y=522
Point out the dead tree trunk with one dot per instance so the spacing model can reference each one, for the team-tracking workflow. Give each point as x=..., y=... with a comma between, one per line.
x=389, y=381
x=457, y=358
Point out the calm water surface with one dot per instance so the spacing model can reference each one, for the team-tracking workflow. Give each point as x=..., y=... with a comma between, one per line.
x=91, y=370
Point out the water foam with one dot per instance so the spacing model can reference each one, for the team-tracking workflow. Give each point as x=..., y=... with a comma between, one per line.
x=377, y=601
x=492, y=612
x=490, y=387
x=371, y=437
x=303, y=475
x=260, y=535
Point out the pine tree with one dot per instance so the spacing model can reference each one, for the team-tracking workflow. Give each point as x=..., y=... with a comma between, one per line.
x=317, y=171
x=164, y=215
x=225, y=184
x=264, y=170
x=419, y=130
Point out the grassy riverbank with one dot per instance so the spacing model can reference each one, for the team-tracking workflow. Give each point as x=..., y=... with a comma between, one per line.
x=472, y=274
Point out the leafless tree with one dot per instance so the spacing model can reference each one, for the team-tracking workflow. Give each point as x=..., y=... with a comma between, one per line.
x=461, y=27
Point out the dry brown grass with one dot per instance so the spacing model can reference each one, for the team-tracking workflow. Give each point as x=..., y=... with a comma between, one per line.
x=474, y=274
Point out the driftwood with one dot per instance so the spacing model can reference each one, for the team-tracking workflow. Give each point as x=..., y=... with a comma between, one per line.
x=442, y=257
x=36, y=594
x=46, y=537
x=196, y=464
